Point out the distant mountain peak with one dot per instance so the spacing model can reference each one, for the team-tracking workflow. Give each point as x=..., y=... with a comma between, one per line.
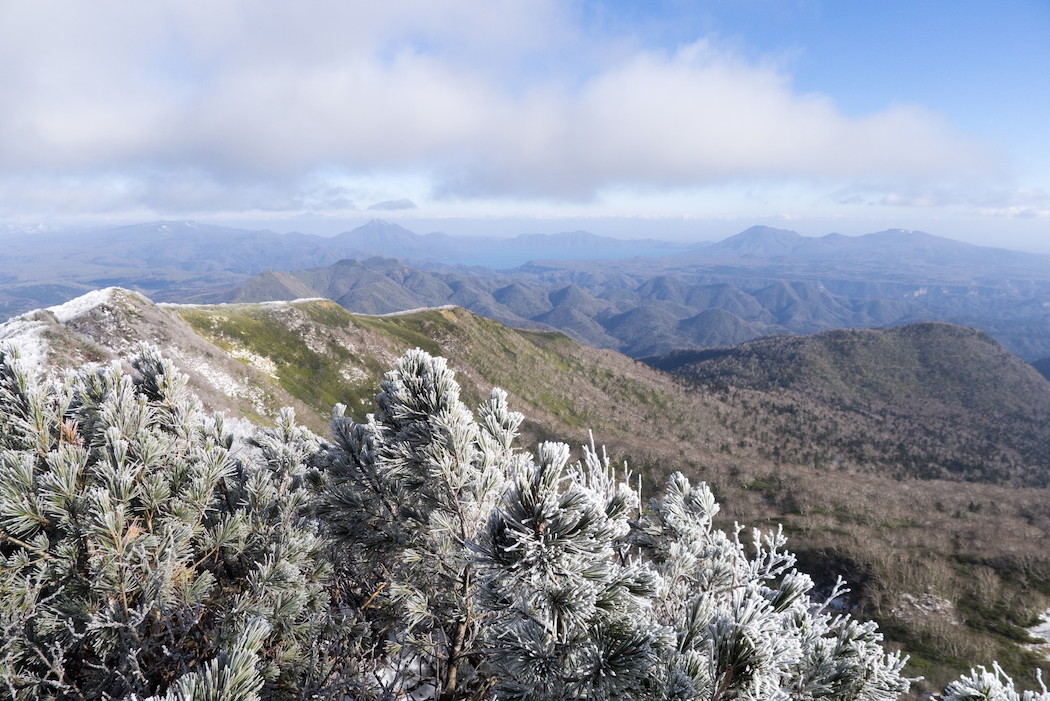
x=767, y=231
x=389, y=239
x=756, y=242
x=383, y=225
x=377, y=222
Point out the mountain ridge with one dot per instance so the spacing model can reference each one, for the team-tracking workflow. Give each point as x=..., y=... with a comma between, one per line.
x=784, y=282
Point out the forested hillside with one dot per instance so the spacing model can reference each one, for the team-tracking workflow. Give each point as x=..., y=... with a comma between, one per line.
x=931, y=400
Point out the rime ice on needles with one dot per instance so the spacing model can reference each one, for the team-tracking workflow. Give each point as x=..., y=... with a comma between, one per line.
x=139, y=541
x=534, y=577
x=984, y=685
x=410, y=491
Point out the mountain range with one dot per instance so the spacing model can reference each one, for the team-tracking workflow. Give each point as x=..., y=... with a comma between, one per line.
x=759, y=282
x=176, y=260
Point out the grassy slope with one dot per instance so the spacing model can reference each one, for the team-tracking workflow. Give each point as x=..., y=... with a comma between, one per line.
x=974, y=547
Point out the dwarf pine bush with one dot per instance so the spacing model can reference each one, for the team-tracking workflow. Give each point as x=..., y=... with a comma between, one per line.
x=497, y=572
x=140, y=539
x=409, y=492
x=148, y=551
x=983, y=685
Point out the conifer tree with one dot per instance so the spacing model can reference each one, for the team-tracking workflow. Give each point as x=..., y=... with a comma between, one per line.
x=139, y=538
x=571, y=608
x=984, y=685
x=409, y=492
x=745, y=625
x=540, y=579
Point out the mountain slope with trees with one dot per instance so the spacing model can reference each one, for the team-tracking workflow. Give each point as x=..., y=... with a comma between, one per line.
x=933, y=399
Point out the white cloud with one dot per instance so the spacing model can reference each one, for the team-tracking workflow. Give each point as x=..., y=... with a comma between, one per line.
x=200, y=105
x=1018, y=204
x=393, y=205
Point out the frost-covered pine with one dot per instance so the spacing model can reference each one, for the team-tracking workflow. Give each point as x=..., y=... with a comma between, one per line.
x=570, y=607
x=984, y=685
x=744, y=622
x=139, y=539
x=409, y=493
x=489, y=571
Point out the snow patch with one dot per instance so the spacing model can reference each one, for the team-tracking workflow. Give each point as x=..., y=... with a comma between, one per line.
x=354, y=374
x=272, y=303
x=221, y=381
x=256, y=361
x=26, y=332
x=1041, y=631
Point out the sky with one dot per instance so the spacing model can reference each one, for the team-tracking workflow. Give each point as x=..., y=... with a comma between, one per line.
x=673, y=119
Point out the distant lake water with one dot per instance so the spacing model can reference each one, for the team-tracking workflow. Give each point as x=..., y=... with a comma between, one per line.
x=504, y=260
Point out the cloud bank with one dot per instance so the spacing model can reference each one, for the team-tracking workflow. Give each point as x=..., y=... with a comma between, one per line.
x=185, y=105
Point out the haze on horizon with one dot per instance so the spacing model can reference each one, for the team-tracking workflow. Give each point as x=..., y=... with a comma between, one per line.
x=673, y=119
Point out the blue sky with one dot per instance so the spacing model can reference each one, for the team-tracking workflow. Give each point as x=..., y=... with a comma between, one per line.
x=666, y=118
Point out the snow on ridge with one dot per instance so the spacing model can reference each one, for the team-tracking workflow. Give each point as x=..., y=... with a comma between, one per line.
x=442, y=308
x=79, y=306
x=272, y=303
x=25, y=332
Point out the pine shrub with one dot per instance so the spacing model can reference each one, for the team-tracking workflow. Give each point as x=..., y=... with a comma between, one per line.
x=139, y=539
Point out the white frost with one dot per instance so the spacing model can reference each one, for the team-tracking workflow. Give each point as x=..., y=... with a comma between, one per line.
x=1042, y=629
x=443, y=307
x=26, y=331
x=26, y=335
x=273, y=303
x=254, y=360
x=1041, y=633
x=79, y=306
